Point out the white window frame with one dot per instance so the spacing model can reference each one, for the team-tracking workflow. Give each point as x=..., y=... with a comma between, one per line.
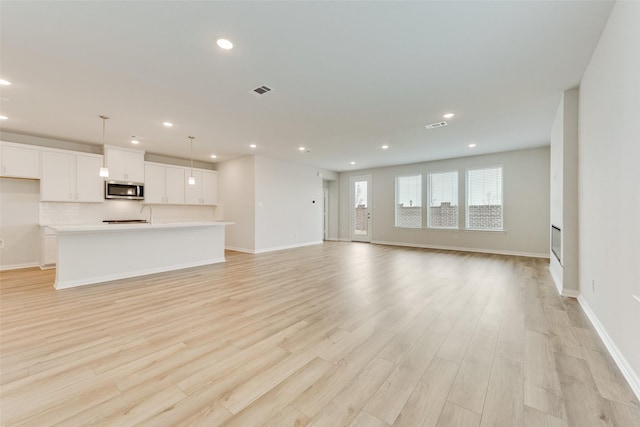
x=396, y=205
x=457, y=227
x=466, y=199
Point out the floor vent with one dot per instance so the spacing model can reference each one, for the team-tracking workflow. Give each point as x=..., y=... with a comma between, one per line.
x=436, y=125
x=261, y=90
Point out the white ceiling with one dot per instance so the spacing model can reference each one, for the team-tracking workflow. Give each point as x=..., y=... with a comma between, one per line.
x=347, y=77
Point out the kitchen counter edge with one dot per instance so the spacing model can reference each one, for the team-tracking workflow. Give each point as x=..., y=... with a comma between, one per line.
x=144, y=226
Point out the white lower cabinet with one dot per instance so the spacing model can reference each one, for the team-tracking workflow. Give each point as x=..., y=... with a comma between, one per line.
x=49, y=248
x=71, y=177
x=163, y=184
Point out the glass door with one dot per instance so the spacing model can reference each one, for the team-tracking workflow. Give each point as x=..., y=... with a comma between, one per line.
x=360, y=208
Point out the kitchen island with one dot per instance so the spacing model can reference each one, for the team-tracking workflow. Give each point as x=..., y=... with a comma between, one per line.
x=96, y=253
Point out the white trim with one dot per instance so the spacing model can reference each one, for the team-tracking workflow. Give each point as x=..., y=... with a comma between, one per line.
x=237, y=249
x=111, y=277
x=463, y=249
x=280, y=248
x=275, y=248
x=556, y=279
x=18, y=266
x=352, y=181
x=571, y=293
x=623, y=365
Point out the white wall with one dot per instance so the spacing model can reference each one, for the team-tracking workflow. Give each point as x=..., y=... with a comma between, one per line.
x=564, y=191
x=334, y=212
x=555, y=190
x=609, y=207
x=236, y=194
x=19, y=228
x=288, y=204
x=526, y=205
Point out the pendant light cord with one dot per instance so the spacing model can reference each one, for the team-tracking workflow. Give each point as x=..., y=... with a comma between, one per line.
x=191, y=153
x=104, y=122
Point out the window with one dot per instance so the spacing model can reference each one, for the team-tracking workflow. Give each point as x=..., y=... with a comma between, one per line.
x=443, y=200
x=409, y=201
x=484, y=199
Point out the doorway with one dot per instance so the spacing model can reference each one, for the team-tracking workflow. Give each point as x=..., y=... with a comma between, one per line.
x=360, y=208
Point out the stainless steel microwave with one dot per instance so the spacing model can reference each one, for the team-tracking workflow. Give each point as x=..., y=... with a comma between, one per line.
x=123, y=190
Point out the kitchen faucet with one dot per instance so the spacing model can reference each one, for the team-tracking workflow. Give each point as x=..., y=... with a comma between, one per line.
x=150, y=212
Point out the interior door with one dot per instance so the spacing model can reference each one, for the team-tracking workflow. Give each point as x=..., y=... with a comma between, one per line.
x=361, y=208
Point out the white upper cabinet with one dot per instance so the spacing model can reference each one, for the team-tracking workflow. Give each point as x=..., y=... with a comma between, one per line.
x=174, y=185
x=58, y=177
x=19, y=162
x=209, y=188
x=71, y=177
x=89, y=183
x=124, y=164
x=204, y=191
x=154, y=188
x=163, y=184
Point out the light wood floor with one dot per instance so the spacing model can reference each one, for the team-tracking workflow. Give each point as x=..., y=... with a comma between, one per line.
x=329, y=335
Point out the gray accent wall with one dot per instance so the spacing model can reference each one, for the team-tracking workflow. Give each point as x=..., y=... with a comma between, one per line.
x=526, y=205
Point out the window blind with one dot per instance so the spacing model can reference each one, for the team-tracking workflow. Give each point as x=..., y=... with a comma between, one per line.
x=484, y=199
x=443, y=200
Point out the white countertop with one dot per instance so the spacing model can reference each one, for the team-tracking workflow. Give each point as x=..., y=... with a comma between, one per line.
x=71, y=228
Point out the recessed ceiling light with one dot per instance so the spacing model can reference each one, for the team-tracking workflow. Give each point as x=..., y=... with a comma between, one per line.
x=301, y=148
x=4, y=82
x=167, y=124
x=384, y=147
x=471, y=145
x=213, y=156
x=448, y=115
x=4, y=118
x=224, y=44
x=252, y=145
x=352, y=163
x=135, y=141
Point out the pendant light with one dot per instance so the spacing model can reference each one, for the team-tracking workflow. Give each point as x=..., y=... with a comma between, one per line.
x=104, y=170
x=192, y=180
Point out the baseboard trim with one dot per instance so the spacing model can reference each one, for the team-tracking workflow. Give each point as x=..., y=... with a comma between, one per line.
x=571, y=293
x=623, y=365
x=556, y=281
x=273, y=248
x=237, y=249
x=280, y=248
x=18, y=266
x=462, y=249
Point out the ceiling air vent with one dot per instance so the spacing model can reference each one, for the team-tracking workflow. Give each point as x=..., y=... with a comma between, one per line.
x=261, y=90
x=436, y=125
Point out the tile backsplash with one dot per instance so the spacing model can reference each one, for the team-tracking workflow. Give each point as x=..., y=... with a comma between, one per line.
x=92, y=213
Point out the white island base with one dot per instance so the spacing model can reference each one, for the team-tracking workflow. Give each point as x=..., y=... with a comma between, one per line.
x=90, y=254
